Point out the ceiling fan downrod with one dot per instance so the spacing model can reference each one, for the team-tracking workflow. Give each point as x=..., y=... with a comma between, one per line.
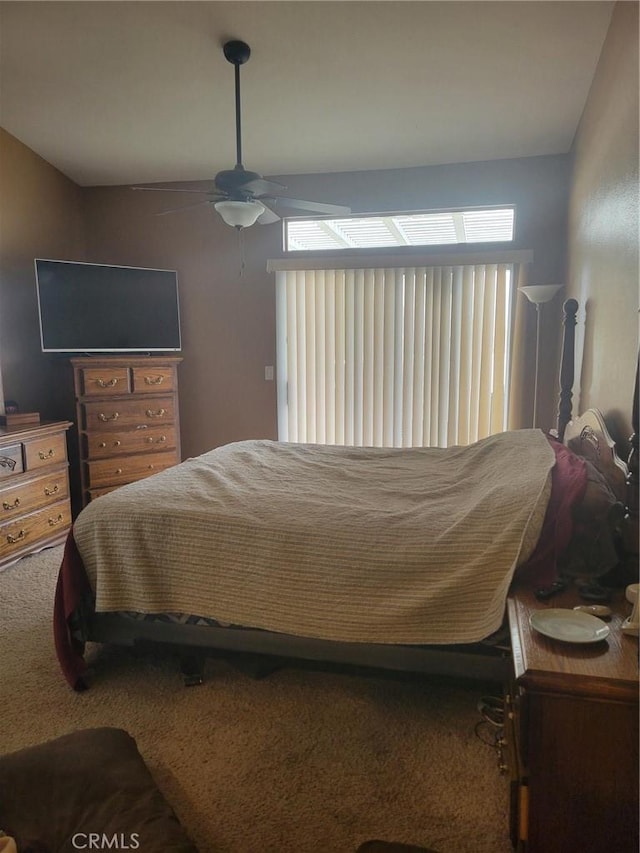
x=237, y=53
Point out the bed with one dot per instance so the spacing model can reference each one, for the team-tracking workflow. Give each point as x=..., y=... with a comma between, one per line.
x=318, y=553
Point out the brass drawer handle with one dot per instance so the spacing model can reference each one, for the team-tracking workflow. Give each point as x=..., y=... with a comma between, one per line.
x=48, y=455
x=118, y=470
x=157, y=414
x=113, y=417
x=13, y=539
x=154, y=380
x=160, y=439
x=7, y=505
x=54, y=491
x=110, y=384
x=54, y=521
x=151, y=467
x=102, y=444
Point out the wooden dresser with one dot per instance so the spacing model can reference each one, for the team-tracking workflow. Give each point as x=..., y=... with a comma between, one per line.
x=35, y=510
x=572, y=733
x=127, y=416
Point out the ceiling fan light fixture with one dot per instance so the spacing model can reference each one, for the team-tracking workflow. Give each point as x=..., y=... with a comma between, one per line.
x=239, y=214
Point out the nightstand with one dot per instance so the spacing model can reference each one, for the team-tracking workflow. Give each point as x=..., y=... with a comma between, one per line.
x=572, y=734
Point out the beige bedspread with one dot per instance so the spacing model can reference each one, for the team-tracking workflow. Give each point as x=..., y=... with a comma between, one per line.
x=351, y=544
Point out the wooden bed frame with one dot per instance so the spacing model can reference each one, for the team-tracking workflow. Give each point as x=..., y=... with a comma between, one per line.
x=262, y=651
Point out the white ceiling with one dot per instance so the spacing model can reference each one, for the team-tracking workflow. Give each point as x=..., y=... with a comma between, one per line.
x=132, y=92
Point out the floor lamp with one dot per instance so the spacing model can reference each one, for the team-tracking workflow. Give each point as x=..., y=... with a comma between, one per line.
x=539, y=294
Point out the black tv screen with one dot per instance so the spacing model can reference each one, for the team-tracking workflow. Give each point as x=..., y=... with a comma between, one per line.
x=101, y=308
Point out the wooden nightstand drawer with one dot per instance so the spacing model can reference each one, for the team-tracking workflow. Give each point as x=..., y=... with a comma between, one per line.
x=111, y=472
x=25, y=532
x=152, y=379
x=28, y=496
x=106, y=444
x=11, y=460
x=50, y=450
x=105, y=381
x=128, y=413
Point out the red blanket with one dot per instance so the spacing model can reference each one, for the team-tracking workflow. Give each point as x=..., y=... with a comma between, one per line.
x=71, y=590
x=568, y=486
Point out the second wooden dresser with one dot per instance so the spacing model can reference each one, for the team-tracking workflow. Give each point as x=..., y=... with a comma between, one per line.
x=127, y=416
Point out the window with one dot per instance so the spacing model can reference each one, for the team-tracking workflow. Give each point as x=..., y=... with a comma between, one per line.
x=486, y=225
x=395, y=357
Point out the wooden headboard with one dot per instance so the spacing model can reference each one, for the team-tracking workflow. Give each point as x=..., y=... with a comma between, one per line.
x=588, y=436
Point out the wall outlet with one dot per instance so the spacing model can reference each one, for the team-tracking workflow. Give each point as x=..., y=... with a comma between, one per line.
x=268, y=373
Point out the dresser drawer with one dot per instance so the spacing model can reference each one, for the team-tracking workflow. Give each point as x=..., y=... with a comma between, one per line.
x=50, y=450
x=11, y=460
x=98, y=493
x=105, y=381
x=29, y=496
x=128, y=413
x=127, y=469
x=153, y=379
x=26, y=531
x=105, y=444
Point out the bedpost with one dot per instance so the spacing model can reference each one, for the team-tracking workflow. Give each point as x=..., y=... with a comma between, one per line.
x=633, y=479
x=570, y=308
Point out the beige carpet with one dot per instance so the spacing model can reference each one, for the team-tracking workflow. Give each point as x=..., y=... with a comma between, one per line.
x=301, y=762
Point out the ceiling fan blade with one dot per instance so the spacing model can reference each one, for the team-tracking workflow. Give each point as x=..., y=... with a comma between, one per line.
x=171, y=190
x=268, y=217
x=259, y=186
x=313, y=206
x=185, y=207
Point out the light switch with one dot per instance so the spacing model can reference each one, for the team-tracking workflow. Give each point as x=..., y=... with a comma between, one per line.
x=268, y=373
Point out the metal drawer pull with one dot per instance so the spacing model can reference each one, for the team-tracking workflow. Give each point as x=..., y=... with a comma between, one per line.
x=54, y=521
x=48, y=455
x=54, y=491
x=102, y=444
x=7, y=505
x=7, y=462
x=158, y=414
x=150, y=467
x=160, y=439
x=110, y=384
x=13, y=539
x=154, y=380
x=117, y=442
x=118, y=470
x=113, y=417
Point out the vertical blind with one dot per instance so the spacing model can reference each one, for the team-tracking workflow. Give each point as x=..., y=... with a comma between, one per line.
x=394, y=357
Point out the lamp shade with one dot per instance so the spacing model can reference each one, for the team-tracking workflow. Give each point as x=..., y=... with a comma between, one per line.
x=539, y=293
x=239, y=214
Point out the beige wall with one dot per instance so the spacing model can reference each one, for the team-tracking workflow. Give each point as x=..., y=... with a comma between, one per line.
x=603, y=227
x=228, y=320
x=40, y=217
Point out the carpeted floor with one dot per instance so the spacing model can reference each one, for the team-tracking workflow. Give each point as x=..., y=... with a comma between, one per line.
x=301, y=762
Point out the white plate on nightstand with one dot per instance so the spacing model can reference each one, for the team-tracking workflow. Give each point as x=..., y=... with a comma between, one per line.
x=570, y=626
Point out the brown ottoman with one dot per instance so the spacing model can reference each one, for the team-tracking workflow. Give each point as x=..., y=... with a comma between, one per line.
x=53, y=796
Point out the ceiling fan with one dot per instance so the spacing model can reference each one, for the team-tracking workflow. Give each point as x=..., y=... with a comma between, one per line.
x=242, y=197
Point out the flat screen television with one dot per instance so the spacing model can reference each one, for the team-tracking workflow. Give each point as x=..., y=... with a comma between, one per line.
x=86, y=308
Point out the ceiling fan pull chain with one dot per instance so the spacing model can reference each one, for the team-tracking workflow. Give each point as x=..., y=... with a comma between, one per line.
x=241, y=250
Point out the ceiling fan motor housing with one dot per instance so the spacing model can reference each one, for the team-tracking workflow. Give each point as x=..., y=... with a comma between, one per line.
x=234, y=180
